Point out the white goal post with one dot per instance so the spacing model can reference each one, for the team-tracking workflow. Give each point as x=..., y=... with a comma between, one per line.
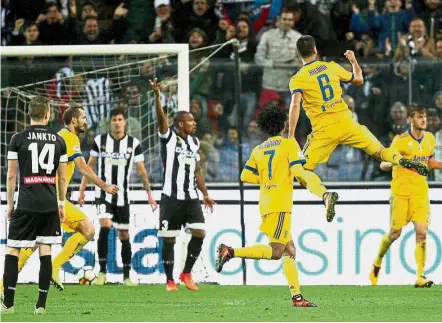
x=181, y=50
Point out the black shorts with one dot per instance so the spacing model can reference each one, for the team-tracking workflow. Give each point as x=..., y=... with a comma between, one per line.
x=120, y=215
x=26, y=229
x=176, y=213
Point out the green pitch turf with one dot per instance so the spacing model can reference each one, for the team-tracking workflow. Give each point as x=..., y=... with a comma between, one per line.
x=230, y=303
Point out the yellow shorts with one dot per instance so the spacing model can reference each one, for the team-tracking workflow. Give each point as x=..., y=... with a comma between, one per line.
x=72, y=217
x=277, y=227
x=321, y=143
x=406, y=209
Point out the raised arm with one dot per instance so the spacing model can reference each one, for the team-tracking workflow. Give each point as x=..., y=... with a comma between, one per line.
x=295, y=108
x=161, y=116
x=358, y=79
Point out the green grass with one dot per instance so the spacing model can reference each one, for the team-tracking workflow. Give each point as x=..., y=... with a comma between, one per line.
x=230, y=303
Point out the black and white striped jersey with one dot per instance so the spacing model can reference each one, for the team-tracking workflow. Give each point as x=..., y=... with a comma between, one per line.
x=115, y=160
x=98, y=101
x=179, y=156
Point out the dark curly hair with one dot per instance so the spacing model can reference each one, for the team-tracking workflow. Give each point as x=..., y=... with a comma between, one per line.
x=272, y=120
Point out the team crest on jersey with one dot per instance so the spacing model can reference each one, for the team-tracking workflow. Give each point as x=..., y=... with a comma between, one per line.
x=129, y=150
x=103, y=148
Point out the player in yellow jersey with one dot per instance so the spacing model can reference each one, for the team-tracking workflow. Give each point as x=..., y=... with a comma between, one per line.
x=273, y=164
x=75, y=220
x=409, y=192
x=317, y=89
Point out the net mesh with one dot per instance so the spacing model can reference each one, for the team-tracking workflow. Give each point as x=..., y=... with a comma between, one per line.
x=98, y=83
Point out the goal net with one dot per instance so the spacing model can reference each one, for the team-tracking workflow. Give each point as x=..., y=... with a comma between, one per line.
x=100, y=78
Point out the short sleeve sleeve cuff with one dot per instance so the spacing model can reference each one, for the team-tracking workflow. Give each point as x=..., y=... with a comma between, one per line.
x=139, y=158
x=64, y=158
x=164, y=135
x=93, y=153
x=12, y=155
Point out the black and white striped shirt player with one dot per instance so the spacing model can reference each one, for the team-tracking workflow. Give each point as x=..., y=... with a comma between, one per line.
x=115, y=159
x=180, y=205
x=35, y=219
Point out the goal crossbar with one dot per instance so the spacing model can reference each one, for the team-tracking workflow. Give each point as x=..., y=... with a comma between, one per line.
x=182, y=51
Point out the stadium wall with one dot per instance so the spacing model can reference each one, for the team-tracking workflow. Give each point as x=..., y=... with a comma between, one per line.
x=339, y=253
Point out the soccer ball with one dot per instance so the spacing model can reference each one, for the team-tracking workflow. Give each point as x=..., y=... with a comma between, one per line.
x=86, y=275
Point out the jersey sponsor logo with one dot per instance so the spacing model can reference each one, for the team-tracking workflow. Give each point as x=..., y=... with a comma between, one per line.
x=42, y=136
x=421, y=159
x=269, y=187
x=31, y=180
x=116, y=159
x=185, y=153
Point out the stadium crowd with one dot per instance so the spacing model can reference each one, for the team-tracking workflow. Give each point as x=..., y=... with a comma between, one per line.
x=399, y=45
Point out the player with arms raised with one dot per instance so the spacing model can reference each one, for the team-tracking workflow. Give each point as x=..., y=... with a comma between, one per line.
x=273, y=165
x=409, y=192
x=40, y=156
x=180, y=204
x=317, y=88
x=75, y=122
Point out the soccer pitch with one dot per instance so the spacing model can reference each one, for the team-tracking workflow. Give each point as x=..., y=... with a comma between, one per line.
x=230, y=303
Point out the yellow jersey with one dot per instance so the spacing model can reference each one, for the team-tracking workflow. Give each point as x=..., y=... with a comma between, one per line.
x=407, y=182
x=271, y=162
x=320, y=86
x=73, y=151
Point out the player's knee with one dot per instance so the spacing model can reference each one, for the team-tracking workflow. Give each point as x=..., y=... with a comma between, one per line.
x=169, y=240
x=198, y=233
x=88, y=230
x=123, y=235
x=277, y=253
x=421, y=235
x=394, y=234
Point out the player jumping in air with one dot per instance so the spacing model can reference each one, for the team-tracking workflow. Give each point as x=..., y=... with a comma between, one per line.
x=75, y=220
x=409, y=192
x=317, y=88
x=40, y=155
x=273, y=165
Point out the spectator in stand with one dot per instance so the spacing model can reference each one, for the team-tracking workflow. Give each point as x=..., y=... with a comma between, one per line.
x=92, y=35
x=163, y=31
x=310, y=21
x=340, y=16
x=52, y=26
x=397, y=125
x=209, y=160
x=439, y=49
x=200, y=80
x=390, y=24
x=200, y=116
x=432, y=17
x=358, y=22
x=254, y=136
x=371, y=99
x=228, y=167
x=435, y=127
x=197, y=14
x=277, y=53
x=7, y=22
x=416, y=43
x=29, y=36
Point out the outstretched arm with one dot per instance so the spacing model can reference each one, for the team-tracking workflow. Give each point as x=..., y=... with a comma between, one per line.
x=295, y=108
x=207, y=200
x=358, y=79
x=161, y=116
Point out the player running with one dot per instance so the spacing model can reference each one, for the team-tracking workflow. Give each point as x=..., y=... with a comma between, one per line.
x=116, y=153
x=409, y=192
x=317, y=88
x=273, y=165
x=75, y=220
x=40, y=155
